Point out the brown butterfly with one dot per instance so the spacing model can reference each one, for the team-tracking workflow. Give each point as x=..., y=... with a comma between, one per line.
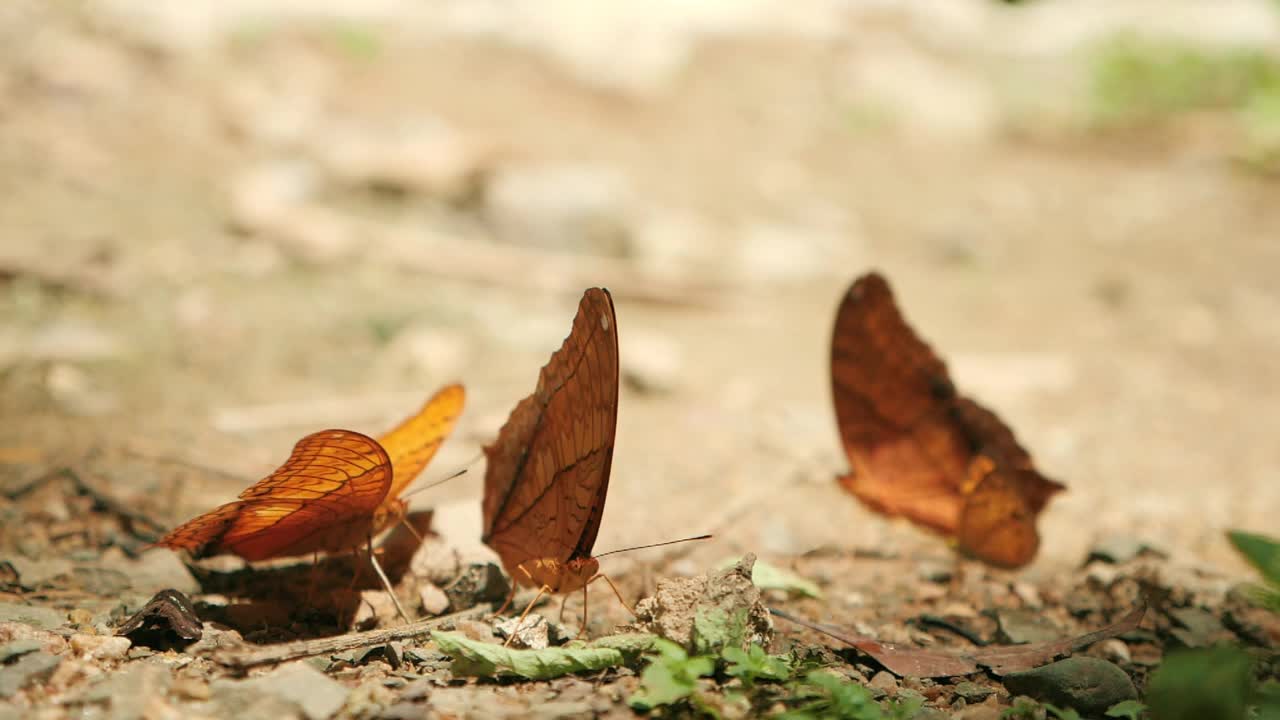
x=337, y=490
x=548, y=470
x=920, y=449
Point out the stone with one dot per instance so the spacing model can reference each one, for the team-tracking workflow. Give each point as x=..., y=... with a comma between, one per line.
x=683, y=610
x=29, y=668
x=1088, y=684
x=100, y=647
x=18, y=648
x=1025, y=626
x=1120, y=549
x=316, y=694
x=1199, y=627
x=972, y=692
x=477, y=583
x=1115, y=650
x=884, y=680
x=434, y=601
x=534, y=633
x=37, y=617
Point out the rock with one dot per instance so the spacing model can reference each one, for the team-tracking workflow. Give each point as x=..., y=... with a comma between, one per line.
x=422, y=155
x=1120, y=549
x=567, y=208
x=100, y=647
x=1025, y=626
x=884, y=680
x=654, y=362
x=35, y=574
x=37, y=617
x=18, y=648
x=534, y=633
x=972, y=692
x=477, y=583
x=1199, y=628
x=1080, y=602
x=1115, y=650
x=190, y=688
x=132, y=691
x=979, y=712
x=1088, y=684
x=49, y=642
x=376, y=606
x=435, y=560
x=434, y=601
x=695, y=612
x=29, y=668
x=1254, y=624
x=1027, y=593
x=316, y=694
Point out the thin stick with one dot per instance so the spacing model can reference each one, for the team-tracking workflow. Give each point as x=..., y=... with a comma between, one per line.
x=283, y=652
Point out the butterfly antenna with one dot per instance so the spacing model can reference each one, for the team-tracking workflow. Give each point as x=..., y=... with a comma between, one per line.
x=466, y=467
x=654, y=545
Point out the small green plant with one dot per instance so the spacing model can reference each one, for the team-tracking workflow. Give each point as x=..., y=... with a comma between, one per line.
x=1215, y=682
x=671, y=677
x=754, y=663
x=824, y=694
x=1127, y=709
x=1264, y=554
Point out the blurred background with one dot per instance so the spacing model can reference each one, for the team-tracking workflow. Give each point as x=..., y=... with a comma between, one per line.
x=226, y=224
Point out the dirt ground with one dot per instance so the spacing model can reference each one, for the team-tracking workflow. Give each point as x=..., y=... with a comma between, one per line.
x=221, y=231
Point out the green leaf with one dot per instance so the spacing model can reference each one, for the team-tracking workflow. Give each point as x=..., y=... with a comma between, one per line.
x=1210, y=683
x=1261, y=551
x=771, y=577
x=1129, y=709
x=671, y=677
x=1062, y=713
x=471, y=657
x=754, y=663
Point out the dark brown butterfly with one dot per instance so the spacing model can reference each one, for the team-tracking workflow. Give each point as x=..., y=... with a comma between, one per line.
x=920, y=449
x=548, y=470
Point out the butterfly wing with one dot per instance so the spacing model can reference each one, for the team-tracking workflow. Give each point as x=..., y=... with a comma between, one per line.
x=998, y=522
x=893, y=401
x=911, y=438
x=320, y=499
x=548, y=471
x=413, y=443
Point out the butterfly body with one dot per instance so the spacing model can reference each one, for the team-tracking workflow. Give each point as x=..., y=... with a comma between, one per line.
x=557, y=576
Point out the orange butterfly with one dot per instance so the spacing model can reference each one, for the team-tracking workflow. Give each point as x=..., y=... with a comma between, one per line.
x=337, y=490
x=920, y=449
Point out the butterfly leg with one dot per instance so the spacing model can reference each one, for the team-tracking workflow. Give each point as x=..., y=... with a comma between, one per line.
x=520, y=623
x=617, y=593
x=377, y=567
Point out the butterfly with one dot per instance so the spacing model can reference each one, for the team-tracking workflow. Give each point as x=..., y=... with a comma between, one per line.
x=337, y=490
x=918, y=448
x=547, y=472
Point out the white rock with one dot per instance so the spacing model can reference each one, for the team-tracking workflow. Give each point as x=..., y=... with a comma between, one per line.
x=434, y=601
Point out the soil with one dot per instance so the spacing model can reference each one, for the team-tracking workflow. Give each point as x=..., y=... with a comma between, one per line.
x=221, y=232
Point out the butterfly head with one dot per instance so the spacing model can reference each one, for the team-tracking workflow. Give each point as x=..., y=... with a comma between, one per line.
x=388, y=514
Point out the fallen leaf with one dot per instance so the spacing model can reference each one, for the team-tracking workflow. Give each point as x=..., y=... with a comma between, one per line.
x=999, y=659
x=169, y=620
x=483, y=659
x=771, y=577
